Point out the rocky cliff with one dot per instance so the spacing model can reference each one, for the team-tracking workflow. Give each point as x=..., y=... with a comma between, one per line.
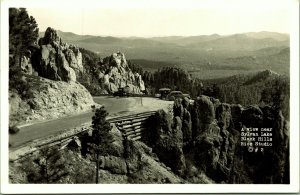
x=212, y=141
x=49, y=99
x=66, y=67
x=61, y=61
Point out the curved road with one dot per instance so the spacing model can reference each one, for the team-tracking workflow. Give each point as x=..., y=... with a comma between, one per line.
x=44, y=129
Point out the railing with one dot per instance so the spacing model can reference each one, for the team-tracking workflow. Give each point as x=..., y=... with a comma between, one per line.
x=131, y=127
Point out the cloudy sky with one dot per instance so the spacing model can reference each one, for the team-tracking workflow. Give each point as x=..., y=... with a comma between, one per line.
x=157, y=20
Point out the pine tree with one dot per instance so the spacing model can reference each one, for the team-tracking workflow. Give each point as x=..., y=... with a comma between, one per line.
x=23, y=34
x=101, y=136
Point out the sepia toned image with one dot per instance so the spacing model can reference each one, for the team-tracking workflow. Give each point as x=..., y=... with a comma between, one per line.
x=152, y=95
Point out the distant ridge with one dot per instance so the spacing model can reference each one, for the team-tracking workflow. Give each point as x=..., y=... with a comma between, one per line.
x=203, y=56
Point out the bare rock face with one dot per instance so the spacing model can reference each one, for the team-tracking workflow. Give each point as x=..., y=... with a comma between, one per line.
x=166, y=139
x=74, y=57
x=60, y=61
x=119, y=75
x=214, y=140
x=119, y=60
x=203, y=113
x=180, y=109
x=57, y=60
x=53, y=99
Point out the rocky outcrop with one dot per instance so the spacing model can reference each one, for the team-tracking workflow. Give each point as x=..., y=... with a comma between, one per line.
x=60, y=61
x=203, y=113
x=133, y=160
x=166, y=139
x=217, y=148
x=51, y=99
x=56, y=60
x=181, y=110
x=276, y=157
x=118, y=75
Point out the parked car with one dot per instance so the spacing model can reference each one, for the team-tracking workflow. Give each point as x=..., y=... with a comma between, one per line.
x=173, y=95
x=164, y=92
x=122, y=92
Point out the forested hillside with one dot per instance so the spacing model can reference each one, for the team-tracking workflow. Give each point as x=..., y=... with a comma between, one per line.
x=197, y=140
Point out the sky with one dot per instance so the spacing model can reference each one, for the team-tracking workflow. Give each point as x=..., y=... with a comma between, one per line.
x=151, y=21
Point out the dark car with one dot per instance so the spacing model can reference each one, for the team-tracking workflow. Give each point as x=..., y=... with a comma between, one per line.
x=164, y=92
x=173, y=95
x=177, y=94
x=122, y=92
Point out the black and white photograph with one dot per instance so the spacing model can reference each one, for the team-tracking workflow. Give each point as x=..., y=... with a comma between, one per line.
x=130, y=92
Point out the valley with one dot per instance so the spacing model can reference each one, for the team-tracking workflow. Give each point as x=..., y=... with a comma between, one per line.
x=205, y=56
x=91, y=109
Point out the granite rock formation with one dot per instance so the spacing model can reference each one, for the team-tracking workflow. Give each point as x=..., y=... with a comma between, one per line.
x=215, y=147
x=118, y=75
x=56, y=60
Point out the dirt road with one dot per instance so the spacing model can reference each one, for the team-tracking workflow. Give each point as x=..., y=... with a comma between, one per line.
x=115, y=107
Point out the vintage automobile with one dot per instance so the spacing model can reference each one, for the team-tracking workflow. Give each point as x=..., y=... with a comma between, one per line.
x=164, y=92
x=122, y=92
x=173, y=95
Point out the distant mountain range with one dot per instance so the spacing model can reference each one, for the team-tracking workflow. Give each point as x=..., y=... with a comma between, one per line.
x=246, y=41
x=236, y=53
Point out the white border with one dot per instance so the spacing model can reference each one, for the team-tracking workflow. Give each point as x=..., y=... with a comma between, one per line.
x=293, y=5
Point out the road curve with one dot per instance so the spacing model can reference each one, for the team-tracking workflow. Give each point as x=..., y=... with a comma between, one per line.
x=39, y=130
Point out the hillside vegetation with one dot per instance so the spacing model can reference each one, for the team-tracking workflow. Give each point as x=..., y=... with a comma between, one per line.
x=195, y=141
